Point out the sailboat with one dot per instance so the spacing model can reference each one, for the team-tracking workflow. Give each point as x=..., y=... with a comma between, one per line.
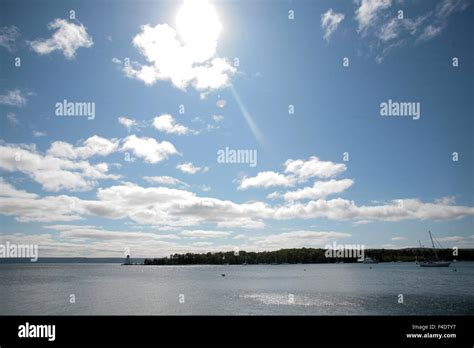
x=434, y=263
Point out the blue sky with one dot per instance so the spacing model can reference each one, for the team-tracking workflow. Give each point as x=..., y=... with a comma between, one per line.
x=142, y=175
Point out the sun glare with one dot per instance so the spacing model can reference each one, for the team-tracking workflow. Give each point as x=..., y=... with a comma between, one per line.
x=197, y=23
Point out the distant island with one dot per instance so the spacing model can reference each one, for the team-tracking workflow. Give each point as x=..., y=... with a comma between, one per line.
x=307, y=255
x=283, y=256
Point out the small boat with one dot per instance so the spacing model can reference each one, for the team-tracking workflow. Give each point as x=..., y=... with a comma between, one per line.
x=127, y=261
x=431, y=263
x=370, y=260
x=434, y=263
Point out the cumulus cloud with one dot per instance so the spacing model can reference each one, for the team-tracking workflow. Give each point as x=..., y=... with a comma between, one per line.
x=396, y=210
x=166, y=123
x=168, y=207
x=8, y=190
x=190, y=168
x=67, y=38
x=329, y=22
x=266, y=179
x=313, y=167
x=51, y=172
x=93, y=146
x=149, y=149
x=27, y=207
x=320, y=189
x=13, y=97
x=296, y=171
x=187, y=58
x=127, y=122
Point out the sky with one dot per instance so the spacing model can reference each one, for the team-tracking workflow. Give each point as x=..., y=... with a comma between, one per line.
x=116, y=118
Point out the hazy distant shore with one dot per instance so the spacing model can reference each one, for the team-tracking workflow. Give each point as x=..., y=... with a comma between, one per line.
x=283, y=256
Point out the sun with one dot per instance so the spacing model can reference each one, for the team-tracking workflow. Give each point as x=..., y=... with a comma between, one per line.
x=197, y=23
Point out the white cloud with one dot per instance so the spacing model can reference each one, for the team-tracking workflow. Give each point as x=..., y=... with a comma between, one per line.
x=38, y=134
x=443, y=10
x=13, y=98
x=127, y=122
x=205, y=188
x=7, y=190
x=274, y=195
x=297, y=239
x=430, y=32
x=297, y=171
x=204, y=234
x=8, y=37
x=266, y=179
x=165, y=180
x=368, y=11
x=67, y=38
x=399, y=28
x=52, y=173
x=148, y=148
x=94, y=233
x=93, y=146
x=189, y=168
x=217, y=118
x=168, y=207
x=320, y=189
x=47, y=209
x=166, y=123
x=390, y=30
x=313, y=167
x=241, y=222
x=187, y=57
x=105, y=243
x=451, y=239
x=446, y=8
x=329, y=22
x=396, y=210
x=397, y=238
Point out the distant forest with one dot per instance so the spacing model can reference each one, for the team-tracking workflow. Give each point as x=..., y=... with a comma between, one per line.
x=307, y=255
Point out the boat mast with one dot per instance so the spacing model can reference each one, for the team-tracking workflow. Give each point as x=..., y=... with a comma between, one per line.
x=434, y=248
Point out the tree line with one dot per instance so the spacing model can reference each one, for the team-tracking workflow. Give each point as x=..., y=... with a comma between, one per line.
x=307, y=255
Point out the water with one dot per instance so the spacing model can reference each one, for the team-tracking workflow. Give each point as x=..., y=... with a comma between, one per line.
x=323, y=289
